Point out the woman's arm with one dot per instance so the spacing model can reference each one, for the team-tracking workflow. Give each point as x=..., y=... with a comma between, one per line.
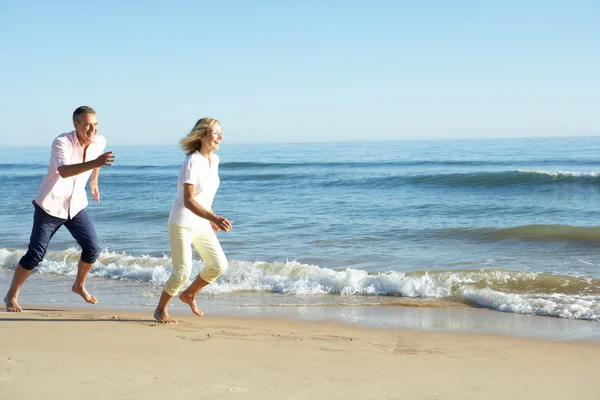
x=195, y=207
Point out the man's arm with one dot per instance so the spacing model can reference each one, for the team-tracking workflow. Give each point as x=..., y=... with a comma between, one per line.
x=94, y=185
x=67, y=171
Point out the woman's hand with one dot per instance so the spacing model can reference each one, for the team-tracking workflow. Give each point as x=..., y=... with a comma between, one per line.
x=221, y=223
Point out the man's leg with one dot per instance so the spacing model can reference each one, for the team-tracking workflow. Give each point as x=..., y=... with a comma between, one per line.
x=44, y=227
x=83, y=269
x=12, y=304
x=82, y=229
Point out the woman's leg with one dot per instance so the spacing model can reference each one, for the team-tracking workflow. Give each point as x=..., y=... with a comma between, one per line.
x=209, y=248
x=160, y=314
x=180, y=239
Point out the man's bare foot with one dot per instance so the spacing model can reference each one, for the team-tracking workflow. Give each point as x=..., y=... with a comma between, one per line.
x=12, y=305
x=163, y=317
x=190, y=300
x=80, y=290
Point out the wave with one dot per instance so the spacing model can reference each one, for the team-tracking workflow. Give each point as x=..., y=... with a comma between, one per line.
x=476, y=179
x=509, y=291
x=389, y=163
x=21, y=165
x=260, y=177
x=457, y=180
x=406, y=163
x=277, y=172
x=508, y=178
x=552, y=233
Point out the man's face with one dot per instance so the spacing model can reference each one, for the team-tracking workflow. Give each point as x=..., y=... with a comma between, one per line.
x=86, y=127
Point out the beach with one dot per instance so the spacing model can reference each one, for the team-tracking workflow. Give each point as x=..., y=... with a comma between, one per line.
x=440, y=270
x=119, y=354
x=393, y=200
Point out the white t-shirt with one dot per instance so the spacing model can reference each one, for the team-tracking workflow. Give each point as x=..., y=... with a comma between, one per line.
x=197, y=171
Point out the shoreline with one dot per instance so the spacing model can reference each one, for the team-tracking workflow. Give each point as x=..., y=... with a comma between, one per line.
x=104, y=353
x=426, y=315
x=453, y=319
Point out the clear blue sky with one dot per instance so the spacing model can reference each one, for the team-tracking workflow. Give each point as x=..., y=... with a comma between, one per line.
x=295, y=71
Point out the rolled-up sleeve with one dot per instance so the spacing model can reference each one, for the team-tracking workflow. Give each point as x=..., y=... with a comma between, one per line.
x=61, y=153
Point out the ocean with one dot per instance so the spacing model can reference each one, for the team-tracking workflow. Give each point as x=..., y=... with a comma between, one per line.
x=507, y=225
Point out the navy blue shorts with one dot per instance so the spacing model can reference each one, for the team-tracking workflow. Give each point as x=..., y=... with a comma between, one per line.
x=46, y=225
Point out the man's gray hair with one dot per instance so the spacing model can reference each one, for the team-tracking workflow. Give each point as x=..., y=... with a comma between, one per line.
x=82, y=110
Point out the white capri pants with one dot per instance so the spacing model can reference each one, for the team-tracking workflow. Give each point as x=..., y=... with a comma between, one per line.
x=206, y=243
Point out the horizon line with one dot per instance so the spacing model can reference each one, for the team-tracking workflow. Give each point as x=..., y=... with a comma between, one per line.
x=339, y=141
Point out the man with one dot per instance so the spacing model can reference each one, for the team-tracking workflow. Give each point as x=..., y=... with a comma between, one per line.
x=61, y=200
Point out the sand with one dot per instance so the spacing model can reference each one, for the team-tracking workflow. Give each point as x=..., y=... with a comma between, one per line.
x=100, y=354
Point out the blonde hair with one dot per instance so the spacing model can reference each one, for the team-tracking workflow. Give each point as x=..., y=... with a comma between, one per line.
x=193, y=140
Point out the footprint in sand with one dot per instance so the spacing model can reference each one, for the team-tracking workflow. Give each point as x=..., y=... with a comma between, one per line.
x=7, y=360
x=333, y=337
x=197, y=338
x=330, y=349
x=231, y=389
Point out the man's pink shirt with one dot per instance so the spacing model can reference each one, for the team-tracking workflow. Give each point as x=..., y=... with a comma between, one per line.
x=66, y=197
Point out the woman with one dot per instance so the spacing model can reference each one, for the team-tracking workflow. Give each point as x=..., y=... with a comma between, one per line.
x=192, y=221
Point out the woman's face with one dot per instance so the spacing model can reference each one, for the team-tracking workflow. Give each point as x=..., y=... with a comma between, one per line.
x=212, y=139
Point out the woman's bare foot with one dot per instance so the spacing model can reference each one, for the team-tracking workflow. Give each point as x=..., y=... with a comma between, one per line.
x=12, y=305
x=163, y=317
x=80, y=290
x=190, y=299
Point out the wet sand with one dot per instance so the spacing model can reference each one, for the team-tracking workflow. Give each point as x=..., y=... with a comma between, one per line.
x=124, y=354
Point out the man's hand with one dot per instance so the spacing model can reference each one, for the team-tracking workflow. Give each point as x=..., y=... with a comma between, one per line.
x=67, y=171
x=95, y=191
x=215, y=228
x=221, y=223
x=105, y=159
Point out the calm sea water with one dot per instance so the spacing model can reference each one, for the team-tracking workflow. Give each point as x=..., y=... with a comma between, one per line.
x=510, y=225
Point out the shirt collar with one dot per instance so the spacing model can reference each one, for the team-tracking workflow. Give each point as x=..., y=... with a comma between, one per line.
x=75, y=139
